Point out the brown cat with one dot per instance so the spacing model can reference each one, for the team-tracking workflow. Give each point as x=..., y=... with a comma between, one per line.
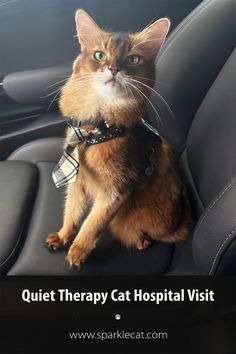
x=131, y=180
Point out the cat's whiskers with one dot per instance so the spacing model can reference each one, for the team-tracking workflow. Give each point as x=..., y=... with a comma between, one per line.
x=90, y=81
x=82, y=77
x=130, y=93
x=53, y=100
x=146, y=98
x=58, y=82
x=83, y=80
x=134, y=98
x=129, y=86
x=158, y=95
x=62, y=76
x=87, y=78
x=145, y=78
x=51, y=93
x=66, y=78
x=125, y=87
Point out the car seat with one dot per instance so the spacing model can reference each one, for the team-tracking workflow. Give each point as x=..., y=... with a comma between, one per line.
x=196, y=85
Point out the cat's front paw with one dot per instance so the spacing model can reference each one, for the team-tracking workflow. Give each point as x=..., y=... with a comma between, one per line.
x=54, y=242
x=77, y=255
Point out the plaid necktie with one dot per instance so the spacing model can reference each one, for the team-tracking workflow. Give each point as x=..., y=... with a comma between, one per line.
x=67, y=168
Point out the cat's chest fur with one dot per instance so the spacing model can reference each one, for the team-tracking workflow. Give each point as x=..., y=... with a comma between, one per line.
x=117, y=163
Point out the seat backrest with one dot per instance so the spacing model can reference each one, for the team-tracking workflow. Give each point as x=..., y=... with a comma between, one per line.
x=196, y=76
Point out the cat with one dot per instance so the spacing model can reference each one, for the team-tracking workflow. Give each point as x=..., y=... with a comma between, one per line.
x=131, y=181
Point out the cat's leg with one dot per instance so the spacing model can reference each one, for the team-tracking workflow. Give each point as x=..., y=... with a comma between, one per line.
x=146, y=222
x=75, y=206
x=127, y=226
x=103, y=210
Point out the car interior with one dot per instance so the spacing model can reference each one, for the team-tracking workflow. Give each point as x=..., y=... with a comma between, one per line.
x=196, y=85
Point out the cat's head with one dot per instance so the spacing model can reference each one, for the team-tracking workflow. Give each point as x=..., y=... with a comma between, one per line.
x=115, y=66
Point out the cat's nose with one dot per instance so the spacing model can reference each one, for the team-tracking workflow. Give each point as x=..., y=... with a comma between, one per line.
x=114, y=69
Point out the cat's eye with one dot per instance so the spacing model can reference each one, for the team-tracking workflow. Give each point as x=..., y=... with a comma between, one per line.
x=99, y=55
x=133, y=59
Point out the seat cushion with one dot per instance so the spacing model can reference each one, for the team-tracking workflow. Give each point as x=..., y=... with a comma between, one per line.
x=108, y=258
x=47, y=149
x=18, y=184
x=211, y=141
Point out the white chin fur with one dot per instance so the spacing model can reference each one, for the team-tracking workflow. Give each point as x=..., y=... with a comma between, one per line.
x=109, y=90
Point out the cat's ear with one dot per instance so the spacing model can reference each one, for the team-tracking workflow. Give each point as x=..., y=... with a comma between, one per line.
x=153, y=36
x=86, y=27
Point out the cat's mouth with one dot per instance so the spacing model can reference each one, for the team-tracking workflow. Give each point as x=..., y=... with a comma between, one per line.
x=113, y=81
x=113, y=84
x=109, y=85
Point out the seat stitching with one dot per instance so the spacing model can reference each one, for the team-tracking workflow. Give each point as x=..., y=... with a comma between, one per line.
x=222, y=245
x=213, y=203
x=184, y=25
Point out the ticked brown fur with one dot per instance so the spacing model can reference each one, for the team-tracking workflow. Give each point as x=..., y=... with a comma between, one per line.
x=137, y=207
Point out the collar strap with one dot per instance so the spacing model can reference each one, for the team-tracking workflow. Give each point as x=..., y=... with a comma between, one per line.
x=109, y=134
x=100, y=133
x=67, y=168
x=103, y=132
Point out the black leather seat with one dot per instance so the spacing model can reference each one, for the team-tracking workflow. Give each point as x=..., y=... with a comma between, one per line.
x=196, y=77
x=109, y=257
